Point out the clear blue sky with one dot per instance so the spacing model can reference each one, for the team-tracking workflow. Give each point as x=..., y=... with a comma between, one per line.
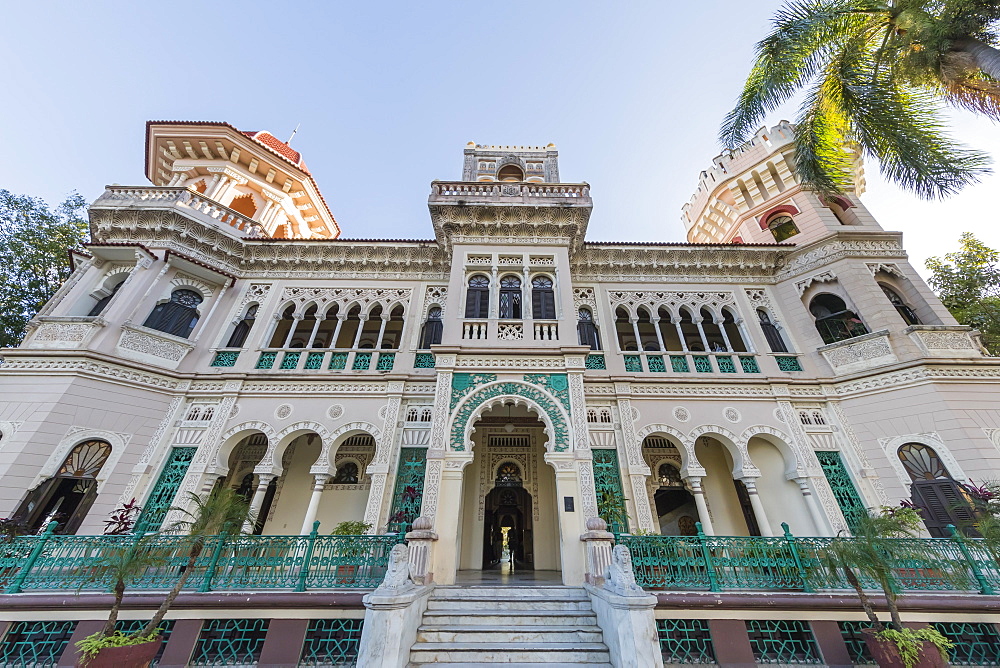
x=388, y=94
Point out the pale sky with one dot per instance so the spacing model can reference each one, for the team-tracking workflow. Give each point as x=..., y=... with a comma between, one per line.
x=388, y=94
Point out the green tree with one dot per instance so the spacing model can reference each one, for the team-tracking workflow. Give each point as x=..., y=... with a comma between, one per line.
x=874, y=75
x=968, y=283
x=34, y=259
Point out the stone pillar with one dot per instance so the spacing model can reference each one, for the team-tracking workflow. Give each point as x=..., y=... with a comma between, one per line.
x=421, y=543
x=385, y=447
x=659, y=334
x=680, y=334
x=296, y=319
x=571, y=524
x=362, y=318
x=598, y=542
x=449, y=509
x=263, y=480
x=314, y=499
x=758, y=507
x=698, y=492
x=813, y=505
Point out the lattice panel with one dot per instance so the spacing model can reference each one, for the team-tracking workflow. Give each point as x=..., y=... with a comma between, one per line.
x=976, y=644
x=844, y=492
x=857, y=649
x=610, y=495
x=408, y=493
x=685, y=641
x=154, y=510
x=331, y=642
x=782, y=641
x=230, y=642
x=35, y=644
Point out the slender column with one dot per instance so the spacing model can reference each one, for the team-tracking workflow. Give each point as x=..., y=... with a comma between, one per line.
x=747, y=339
x=813, y=505
x=526, y=313
x=494, y=294
x=725, y=337
x=680, y=334
x=259, y=217
x=381, y=331
x=698, y=492
x=203, y=322
x=264, y=479
x=214, y=193
x=312, y=339
x=362, y=318
x=341, y=317
x=313, y=508
x=212, y=185
x=758, y=507
x=659, y=334
x=701, y=333
x=142, y=300
x=635, y=332
x=296, y=319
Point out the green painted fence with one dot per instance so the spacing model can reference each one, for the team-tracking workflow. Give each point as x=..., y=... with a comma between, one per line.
x=226, y=563
x=791, y=563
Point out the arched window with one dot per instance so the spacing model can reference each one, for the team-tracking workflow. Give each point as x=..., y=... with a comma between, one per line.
x=370, y=328
x=477, y=298
x=242, y=329
x=732, y=329
x=177, y=316
x=782, y=227
x=102, y=303
x=587, y=330
x=834, y=321
x=510, y=173
x=67, y=496
x=350, y=329
x=713, y=333
x=669, y=476
x=283, y=327
x=909, y=317
x=412, y=414
x=921, y=462
x=393, y=331
x=624, y=330
x=647, y=333
x=304, y=328
x=347, y=474
x=431, y=332
x=668, y=330
x=692, y=337
x=510, y=297
x=508, y=475
x=327, y=327
x=771, y=332
x=543, y=299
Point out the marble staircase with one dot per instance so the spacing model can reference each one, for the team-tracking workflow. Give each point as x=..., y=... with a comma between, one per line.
x=516, y=626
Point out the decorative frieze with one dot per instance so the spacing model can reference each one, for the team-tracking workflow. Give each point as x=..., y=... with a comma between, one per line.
x=63, y=333
x=152, y=347
x=945, y=341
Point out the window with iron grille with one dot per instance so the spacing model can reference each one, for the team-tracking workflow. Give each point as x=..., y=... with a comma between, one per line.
x=857, y=649
x=331, y=642
x=976, y=644
x=782, y=641
x=685, y=641
x=35, y=644
x=230, y=642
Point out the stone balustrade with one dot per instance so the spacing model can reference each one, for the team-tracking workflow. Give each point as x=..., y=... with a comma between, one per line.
x=192, y=203
x=946, y=341
x=498, y=190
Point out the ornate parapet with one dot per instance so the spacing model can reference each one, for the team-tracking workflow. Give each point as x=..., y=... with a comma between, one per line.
x=64, y=333
x=946, y=340
x=860, y=353
x=152, y=347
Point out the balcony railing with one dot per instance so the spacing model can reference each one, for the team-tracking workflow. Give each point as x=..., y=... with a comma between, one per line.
x=527, y=192
x=719, y=563
x=502, y=329
x=680, y=362
x=227, y=563
x=836, y=329
x=322, y=359
x=149, y=197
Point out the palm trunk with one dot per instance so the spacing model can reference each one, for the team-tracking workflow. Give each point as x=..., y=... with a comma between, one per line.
x=109, y=627
x=169, y=600
x=863, y=597
x=983, y=55
x=890, y=599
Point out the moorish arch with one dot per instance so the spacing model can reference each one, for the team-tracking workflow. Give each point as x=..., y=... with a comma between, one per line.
x=335, y=438
x=689, y=463
x=271, y=463
x=742, y=466
x=794, y=467
x=219, y=463
x=548, y=408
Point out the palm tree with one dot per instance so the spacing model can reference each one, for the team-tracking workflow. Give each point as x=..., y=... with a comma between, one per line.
x=874, y=74
x=223, y=512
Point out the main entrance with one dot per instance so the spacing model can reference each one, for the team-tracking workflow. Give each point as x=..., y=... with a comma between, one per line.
x=509, y=528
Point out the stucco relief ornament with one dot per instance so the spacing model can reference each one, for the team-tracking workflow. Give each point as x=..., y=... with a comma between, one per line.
x=681, y=414
x=283, y=411
x=236, y=411
x=732, y=415
x=335, y=411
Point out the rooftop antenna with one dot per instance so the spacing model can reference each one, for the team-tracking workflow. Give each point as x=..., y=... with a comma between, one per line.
x=293, y=134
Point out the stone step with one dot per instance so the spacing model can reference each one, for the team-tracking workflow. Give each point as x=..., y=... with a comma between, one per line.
x=504, y=605
x=486, y=618
x=518, y=664
x=450, y=591
x=505, y=653
x=465, y=633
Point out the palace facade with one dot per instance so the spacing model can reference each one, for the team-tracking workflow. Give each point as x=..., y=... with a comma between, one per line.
x=491, y=390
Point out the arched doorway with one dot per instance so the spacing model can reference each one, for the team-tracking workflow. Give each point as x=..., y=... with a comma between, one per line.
x=68, y=495
x=509, y=526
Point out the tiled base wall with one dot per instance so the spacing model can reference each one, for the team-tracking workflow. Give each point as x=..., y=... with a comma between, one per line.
x=733, y=642
x=195, y=642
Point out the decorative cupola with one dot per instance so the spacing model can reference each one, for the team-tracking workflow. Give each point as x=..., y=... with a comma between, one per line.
x=253, y=173
x=753, y=195
x=531, y=164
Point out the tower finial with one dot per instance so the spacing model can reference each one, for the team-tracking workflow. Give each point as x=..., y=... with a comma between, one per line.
x=289, y=142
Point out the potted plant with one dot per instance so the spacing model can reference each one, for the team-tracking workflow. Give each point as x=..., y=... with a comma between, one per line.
x=223, y=512
x=349, y=550
x=873, y=554
x=122, y=561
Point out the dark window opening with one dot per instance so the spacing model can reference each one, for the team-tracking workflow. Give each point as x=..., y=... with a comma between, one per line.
x=177, y=316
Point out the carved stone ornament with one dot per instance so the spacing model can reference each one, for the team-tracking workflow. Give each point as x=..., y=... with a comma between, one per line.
x=860, y=353
x=620, y=578
x=822, y=277
x=152, y=347
x=63, y=332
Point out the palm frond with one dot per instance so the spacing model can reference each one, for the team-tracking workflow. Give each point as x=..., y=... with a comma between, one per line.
x=805, y=36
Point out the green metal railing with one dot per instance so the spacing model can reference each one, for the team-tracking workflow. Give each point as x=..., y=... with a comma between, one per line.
x=226, y=563
x=788, y=562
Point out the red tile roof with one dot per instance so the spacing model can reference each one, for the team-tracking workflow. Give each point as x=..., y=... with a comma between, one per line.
x=281, y=148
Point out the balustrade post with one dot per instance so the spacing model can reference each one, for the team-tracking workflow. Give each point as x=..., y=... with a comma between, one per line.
x=599, y=543
x=713, y=579
x=18, y=582
x=310, y=544
x=213, y=564
x=794, y=549
x=984, y=584
x=420, y=541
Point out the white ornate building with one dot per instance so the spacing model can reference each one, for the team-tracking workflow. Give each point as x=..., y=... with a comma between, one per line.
x=505, y=378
